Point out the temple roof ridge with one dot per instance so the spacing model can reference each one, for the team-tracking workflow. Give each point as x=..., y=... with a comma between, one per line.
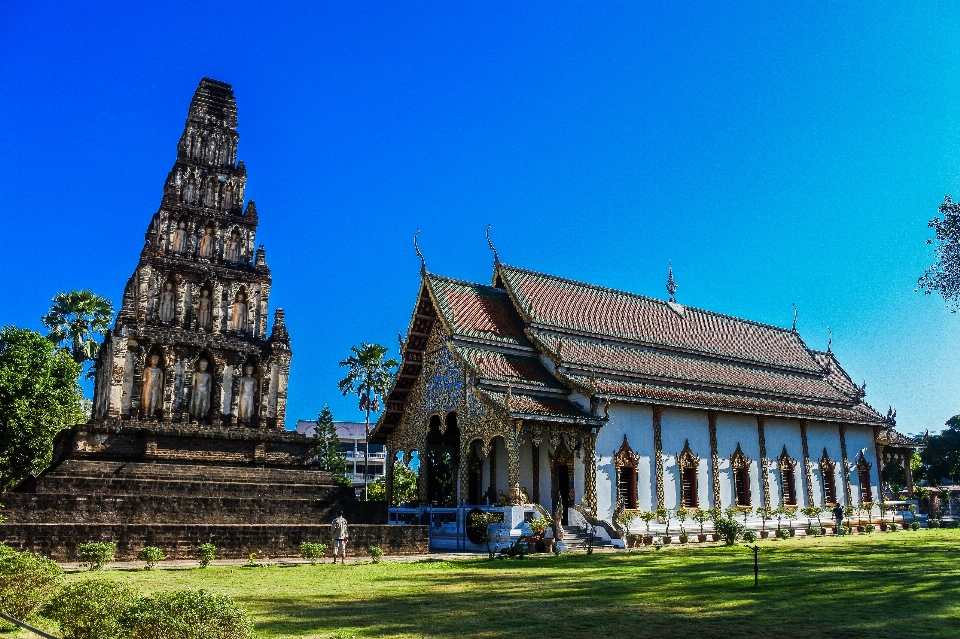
x=645, y=298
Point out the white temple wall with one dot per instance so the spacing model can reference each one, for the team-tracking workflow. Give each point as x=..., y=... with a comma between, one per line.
x=731, y=430
x=779, y=433
x=860, y=438
x=636, y=422
x=526, y=467
x=676, y=428
x=822, y=436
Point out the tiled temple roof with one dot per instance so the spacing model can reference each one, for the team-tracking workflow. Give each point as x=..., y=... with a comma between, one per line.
x=566, y=305
x=477, y=311
x=539, y=339
x=698, y=398
x=668, y=366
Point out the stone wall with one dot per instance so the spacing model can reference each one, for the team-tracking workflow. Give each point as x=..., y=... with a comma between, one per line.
x=178, y=541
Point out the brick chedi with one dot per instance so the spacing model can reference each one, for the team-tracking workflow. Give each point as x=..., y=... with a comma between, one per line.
x=186, y=444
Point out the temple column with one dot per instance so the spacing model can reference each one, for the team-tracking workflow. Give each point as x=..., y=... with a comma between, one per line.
x=846, y=466
x=807, y=465
x=658, y=453
x=492, y=458
x=878, y=451
x=391, y=457
x=761, y=423
x=907, y=457
x=590, y=473
x=535, y=467
x=714, y=458
x=464, y=493
x=513, y=463
x=423, y=487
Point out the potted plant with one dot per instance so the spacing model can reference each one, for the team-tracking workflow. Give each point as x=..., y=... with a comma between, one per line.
x=716, y=514
x=663, y=515
x=790, y=512
x=884, y=509
x=848, y=513
x=763, y=512
x=538, y=528
x=701, y=516
x=810, y=512
x=867, y=507
x=625, y=519
x=647, y=516
x=778, y=514
x=682, y=514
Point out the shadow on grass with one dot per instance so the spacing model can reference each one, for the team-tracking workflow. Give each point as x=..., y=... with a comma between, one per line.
x=855, y=588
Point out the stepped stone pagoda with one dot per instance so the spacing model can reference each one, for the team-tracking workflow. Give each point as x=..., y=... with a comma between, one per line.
x=186, y=444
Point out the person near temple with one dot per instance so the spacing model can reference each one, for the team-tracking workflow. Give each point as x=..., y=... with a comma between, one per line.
x=838, y=515
x=338, y=529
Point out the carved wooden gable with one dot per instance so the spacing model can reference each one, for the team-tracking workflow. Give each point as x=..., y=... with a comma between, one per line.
x=686, y=458
x=625, y=455
x=785, y=462
x=827, y=466
x=739, y=460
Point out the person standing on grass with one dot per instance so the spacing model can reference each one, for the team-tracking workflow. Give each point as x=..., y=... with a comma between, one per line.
x=838, y=515
x=338, y=528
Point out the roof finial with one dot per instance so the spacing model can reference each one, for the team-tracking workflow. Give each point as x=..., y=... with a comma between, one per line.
x=829, y=341
x=794, y=328
x=496, y=257
x=400, y=338
x=423, y=262
x=671, y=284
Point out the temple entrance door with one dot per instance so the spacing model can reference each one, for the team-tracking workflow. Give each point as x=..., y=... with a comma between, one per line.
x=443, y=461
x=563, y=489
x=475, y=479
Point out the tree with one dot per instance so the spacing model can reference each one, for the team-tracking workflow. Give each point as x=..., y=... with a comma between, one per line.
x=39, y=396
x=330, y=456
x=404, y=486
x=941, y=457
x=369, y=377
x=943, y=276
x=75, y=319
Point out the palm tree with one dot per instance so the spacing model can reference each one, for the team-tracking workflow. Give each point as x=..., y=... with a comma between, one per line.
x=77, y=318
x=369, y=376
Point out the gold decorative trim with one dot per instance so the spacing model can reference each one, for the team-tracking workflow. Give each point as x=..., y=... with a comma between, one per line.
x=658, y=453
x=846, y=464
x=765, y=480
x=714, y=458
x=807, y=464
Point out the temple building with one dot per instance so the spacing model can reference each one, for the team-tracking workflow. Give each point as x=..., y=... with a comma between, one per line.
x=577, y=397
x=186, y=444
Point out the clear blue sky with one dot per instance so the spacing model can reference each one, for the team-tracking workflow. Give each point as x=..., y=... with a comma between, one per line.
x=776, y=155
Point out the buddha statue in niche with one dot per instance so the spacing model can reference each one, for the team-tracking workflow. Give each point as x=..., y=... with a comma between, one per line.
x=210, y=194
x=231, y=252
x=204, y=311
x=207, y=243
x=202, y=385
x=239, y=321
x=167, y=309
x=190, y=192
x=180, y=238
x=248, y=396
x=151, y=395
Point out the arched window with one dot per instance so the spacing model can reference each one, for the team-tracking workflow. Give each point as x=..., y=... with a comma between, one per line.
x=863, y=473
x=827, y=470
x=740, y=464
x=625, y=461
x=688, y=464
x=788, y=479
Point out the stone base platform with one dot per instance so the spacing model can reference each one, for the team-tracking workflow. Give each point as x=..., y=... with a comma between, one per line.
x=233, y=541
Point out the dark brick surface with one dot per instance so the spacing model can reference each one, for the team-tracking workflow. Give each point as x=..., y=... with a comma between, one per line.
x=178, y=541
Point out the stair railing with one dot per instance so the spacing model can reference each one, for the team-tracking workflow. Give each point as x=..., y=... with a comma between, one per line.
x=17, y=622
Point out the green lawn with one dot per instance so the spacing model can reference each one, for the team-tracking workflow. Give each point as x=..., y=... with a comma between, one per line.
x=904, y=584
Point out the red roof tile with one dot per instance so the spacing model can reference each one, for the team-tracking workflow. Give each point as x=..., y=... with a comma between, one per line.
x=671, y=366
x=474, y=310
x=567, y=305
x=508, y=368
x=523, y=405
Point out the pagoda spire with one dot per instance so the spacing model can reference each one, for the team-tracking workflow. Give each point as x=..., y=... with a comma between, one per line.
x=671, y=284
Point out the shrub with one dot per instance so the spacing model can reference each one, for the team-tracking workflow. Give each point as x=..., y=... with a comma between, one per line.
x=538, y=525
x=933, y=523
x=96, y=555
x=750, y=536
x=869, y=528
x=151, y=555
x=894, y=527
x=187, y=614
x=26, y=581
x=914, y=525
x=205, y=553
x=783, y=533
x=311, y=551
x=91, y=609
x=818, y=532
x=729, y=529
x=376, y=553
x=843, y=530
